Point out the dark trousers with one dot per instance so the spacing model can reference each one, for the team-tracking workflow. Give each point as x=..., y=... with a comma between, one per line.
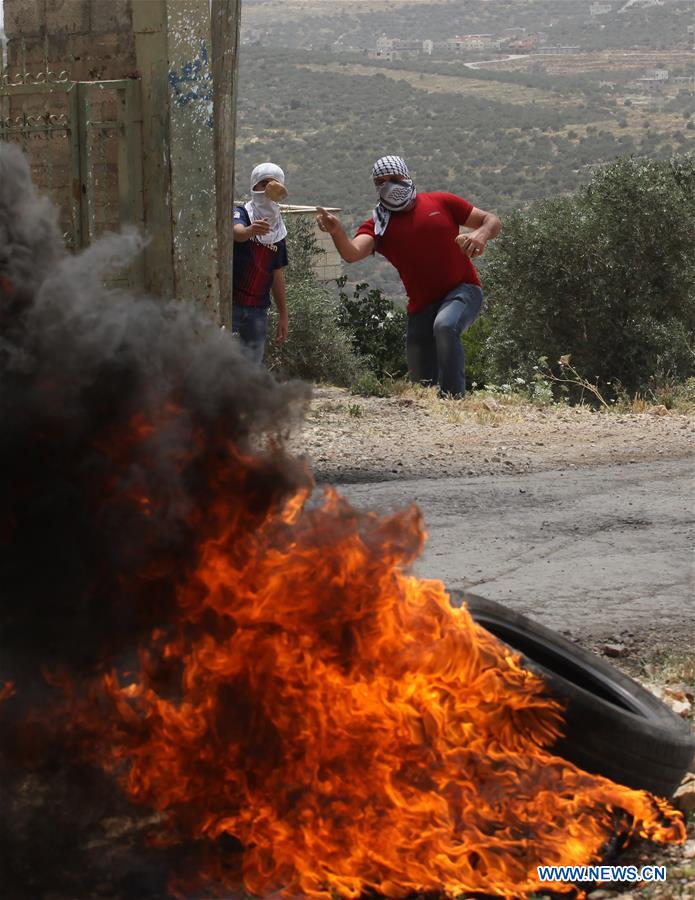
x=433, y=341
x=250, y=323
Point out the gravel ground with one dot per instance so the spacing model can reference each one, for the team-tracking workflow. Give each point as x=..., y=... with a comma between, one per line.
x=415, y=435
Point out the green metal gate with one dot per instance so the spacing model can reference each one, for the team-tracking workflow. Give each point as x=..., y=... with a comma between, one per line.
x=83, y=140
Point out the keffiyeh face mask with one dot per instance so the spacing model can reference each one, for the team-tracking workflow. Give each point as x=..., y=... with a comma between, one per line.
x=396, y=195
x=393, y=196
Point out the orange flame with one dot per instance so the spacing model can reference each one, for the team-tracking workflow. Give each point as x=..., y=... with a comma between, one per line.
x=348, y=727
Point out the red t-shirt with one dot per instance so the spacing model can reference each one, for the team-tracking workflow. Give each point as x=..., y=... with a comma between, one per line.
x=421, y=245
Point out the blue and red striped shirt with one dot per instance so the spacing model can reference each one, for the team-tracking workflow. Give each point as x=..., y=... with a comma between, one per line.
x=254, y=265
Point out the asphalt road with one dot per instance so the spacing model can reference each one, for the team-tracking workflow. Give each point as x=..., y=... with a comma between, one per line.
x=590, y=551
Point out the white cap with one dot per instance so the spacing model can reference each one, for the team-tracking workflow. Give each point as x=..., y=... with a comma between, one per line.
x=267, y=170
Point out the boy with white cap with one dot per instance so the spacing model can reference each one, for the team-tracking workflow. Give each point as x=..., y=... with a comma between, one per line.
x=260, y=255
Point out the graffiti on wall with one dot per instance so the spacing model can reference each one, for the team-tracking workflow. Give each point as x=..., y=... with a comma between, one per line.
x=192, y=84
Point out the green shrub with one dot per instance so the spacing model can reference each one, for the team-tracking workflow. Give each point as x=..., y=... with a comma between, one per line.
x=317, y=348
x=606, y=275
x=376, y=328
x=475, y=349
x=366, y=384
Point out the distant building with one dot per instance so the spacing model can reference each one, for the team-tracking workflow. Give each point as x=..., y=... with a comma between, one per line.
x=525, y=43
x=408, y=45
x=685, y=82
x=384, y=43
x=428, y=47
x=658, y=74
x=391, y=55
x=600, y=9
x=375, y=53
x=474, y=42
x=404, y=49
x=516, y=32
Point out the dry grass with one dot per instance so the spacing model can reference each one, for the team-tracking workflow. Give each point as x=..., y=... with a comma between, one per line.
x=667, y=397
x=327, y=408
x=663, y=666
x=481, y=407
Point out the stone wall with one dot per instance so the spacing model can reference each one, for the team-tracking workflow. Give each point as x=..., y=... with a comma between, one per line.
x=89, y=40
x=328, y=265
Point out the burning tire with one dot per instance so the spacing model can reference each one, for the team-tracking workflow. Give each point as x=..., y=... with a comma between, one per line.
x=614, y=727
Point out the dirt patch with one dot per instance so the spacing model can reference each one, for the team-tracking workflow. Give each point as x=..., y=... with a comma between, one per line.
x=416, y=435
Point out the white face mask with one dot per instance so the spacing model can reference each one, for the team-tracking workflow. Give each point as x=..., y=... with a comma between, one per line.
x=261, y=202
x=261, y=207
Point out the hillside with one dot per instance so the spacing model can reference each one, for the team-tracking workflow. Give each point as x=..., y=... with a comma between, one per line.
x=317, y=24
x=501, y=132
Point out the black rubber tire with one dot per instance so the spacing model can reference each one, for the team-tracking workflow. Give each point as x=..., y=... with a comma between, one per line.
x=614, y=727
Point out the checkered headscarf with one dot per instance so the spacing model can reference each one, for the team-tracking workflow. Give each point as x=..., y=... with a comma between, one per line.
x=392, y=197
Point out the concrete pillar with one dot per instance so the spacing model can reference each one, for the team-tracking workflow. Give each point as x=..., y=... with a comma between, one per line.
x=168, y=45
x=172, y=40
x=225, y=23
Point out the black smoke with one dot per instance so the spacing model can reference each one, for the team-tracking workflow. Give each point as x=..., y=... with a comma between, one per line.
x=122, y=420
x=81, y=366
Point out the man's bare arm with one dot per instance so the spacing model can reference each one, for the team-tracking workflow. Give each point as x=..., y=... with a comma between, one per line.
x=485, y=225
x=350, y=249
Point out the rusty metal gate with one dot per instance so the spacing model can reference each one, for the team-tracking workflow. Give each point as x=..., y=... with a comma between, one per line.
x=83, y=140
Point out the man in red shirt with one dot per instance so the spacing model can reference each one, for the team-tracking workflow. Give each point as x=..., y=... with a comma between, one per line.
x=419, y=235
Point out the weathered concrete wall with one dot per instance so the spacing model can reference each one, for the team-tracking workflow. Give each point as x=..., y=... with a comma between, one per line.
x=166, y=44
x=192, y=154
x=89, y=39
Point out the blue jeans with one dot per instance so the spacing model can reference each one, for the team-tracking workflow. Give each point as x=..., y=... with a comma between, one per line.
x=433, y=342
x=250, y=323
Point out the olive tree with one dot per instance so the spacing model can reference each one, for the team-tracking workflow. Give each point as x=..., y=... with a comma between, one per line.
x=606, y=275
